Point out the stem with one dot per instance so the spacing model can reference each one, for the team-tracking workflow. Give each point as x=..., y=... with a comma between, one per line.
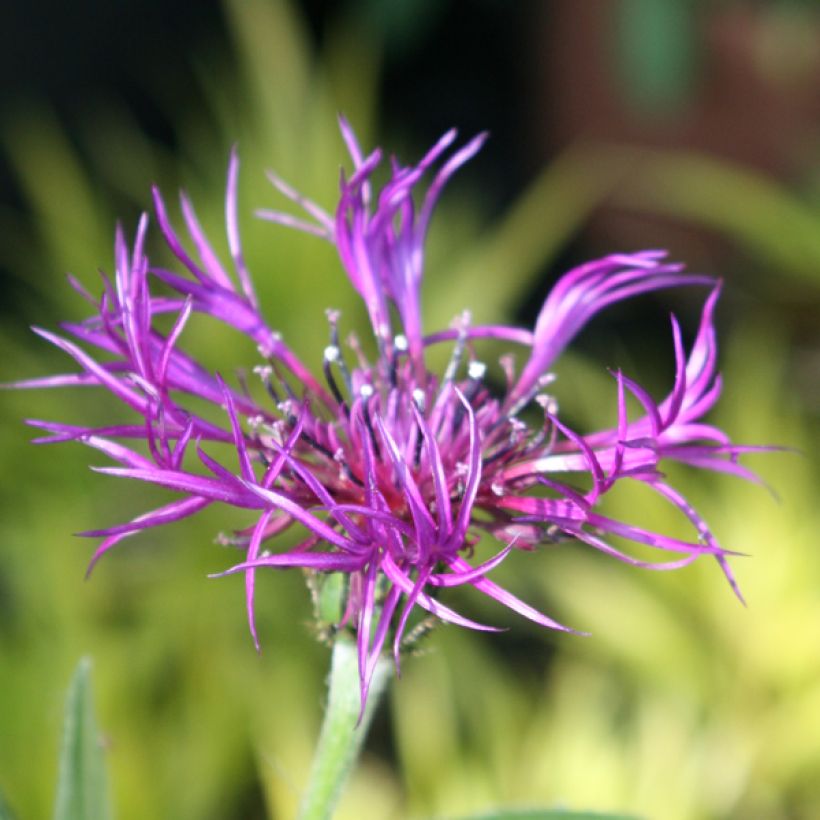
x=342, y=732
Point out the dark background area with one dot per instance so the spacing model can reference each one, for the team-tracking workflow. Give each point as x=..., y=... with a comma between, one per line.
x=734, y=80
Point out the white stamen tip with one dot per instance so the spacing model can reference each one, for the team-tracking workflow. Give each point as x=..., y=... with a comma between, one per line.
x=331, y=353
x=400, y=343
x=476, y=370
x=548, y=403
x=419, y=398
x=366, y=391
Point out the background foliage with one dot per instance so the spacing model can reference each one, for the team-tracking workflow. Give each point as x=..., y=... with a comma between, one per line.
x=682, y=704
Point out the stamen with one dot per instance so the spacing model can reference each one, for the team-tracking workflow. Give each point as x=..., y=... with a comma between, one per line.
x=541, y=383
x=400, y=345
x=355, y=345
x=458, y=350
x=500, y=453
x=550, y=407
x=333, y=318
x=419, y=399
x=333, y=354
x=264, y=371
x=308, y=439
x=344, y=468
x=224, y=539
x=242, y=378
x=283, y=383
x=507, y=362
x=366, y=392
x=475, y=374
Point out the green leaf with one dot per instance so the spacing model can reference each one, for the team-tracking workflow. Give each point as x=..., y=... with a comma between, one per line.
x=81, y=789
x=760, y=214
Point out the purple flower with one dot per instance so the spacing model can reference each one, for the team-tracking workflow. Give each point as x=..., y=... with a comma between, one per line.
x=393, y=472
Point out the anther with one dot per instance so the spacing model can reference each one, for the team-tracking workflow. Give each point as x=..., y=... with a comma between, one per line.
x=366, y=392
x=224, y=539
x=543, y=381
x=548, y=403
x=476, y=370
x=458, y=350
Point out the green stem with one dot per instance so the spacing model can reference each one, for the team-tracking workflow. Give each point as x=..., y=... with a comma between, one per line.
x=342, y=733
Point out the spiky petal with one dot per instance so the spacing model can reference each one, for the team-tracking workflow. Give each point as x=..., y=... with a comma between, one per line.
x=393, y=472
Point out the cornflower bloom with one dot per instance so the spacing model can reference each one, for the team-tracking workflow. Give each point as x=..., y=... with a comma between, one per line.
x=394, y=472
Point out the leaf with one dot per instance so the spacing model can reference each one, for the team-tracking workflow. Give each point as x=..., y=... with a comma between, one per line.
x=81, y=788
x=764, y=217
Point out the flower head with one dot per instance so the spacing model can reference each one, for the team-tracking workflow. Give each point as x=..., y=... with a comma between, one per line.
x=392, y=471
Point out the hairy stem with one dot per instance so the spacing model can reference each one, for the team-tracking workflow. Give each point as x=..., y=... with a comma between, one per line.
x=342, y=732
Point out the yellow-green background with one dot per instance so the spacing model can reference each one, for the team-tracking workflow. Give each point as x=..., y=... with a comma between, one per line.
x=682, y=704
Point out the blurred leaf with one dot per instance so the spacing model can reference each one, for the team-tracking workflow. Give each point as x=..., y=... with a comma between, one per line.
x=757, y=212
x=81, y=789
x=495, y=273
x=70, y=221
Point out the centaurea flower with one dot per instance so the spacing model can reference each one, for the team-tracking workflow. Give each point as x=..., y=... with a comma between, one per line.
x=394, y=472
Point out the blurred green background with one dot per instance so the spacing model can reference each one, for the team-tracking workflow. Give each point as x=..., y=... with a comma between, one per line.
x=615, y=126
